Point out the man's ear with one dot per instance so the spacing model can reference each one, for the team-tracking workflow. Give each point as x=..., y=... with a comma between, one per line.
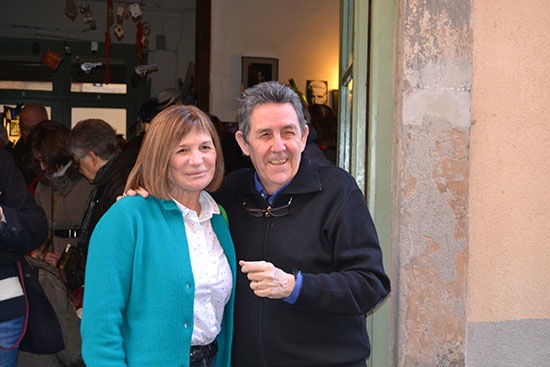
x=94, y=157
x=304, y=137
x=242, y=143
x=92, y=154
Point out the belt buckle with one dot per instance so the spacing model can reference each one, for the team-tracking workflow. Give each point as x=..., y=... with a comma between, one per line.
x=198, y=353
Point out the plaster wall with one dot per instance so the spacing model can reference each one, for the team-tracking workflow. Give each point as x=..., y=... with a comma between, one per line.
x=471, y=220
x=433, y=99
x=509, y=288
x=510, y=221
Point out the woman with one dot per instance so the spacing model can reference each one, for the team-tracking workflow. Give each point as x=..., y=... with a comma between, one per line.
x=63, y=195
x=160, y=270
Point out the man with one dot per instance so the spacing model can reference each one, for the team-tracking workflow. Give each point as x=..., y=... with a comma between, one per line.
x=23, y=228
x=98, y=154
x=29, y=117
x=309, y=253
x=316, y=92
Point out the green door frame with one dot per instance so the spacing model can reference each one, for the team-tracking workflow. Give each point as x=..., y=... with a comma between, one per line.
x=365, y=149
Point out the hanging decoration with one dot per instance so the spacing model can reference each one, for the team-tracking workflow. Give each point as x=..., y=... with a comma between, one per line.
x=144, y=70
x=52, y=59
x=135, y=12
x=88, y=66
x=114, y=22
x=71, y=10
x=88, y=16
x=139, y=37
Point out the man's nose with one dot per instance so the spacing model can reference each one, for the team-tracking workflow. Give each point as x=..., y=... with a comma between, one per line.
x=278, y=144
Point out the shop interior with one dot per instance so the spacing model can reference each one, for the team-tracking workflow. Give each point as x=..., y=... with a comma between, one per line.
x=106, y=58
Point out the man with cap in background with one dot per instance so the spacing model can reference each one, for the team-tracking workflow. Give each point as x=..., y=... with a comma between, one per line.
x=167, y=98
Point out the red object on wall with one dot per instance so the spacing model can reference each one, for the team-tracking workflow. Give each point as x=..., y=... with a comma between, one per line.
x=52, y=59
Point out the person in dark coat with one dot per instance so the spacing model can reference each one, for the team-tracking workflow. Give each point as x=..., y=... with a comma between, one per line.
x=106, y=163
x=23, y=228
x=311, y=263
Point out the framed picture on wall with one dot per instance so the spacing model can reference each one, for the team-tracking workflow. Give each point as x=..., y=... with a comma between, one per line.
x=258, y=69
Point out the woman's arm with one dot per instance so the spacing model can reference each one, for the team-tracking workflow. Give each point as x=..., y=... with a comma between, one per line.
x=107, y=289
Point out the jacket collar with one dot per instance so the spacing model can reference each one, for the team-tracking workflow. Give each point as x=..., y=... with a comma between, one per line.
x=306, y=179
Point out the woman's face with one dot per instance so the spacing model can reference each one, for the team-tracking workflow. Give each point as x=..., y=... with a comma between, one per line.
x=41, y=162
x=193, y=162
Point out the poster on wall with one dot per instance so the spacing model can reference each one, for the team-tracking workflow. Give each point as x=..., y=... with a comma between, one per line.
x=317, y=92
x=11, y=120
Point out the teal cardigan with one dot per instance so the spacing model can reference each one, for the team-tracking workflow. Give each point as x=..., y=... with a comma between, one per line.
x=139, y=287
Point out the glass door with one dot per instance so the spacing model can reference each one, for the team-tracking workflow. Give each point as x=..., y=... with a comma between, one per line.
x=365, y=148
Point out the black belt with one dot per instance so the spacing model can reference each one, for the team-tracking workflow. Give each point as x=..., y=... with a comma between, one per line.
x=67, y=233
x=200, y=352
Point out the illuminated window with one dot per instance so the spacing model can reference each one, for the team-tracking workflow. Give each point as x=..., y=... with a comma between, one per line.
x=89, y=77
x=26, y=74
x=116, y=117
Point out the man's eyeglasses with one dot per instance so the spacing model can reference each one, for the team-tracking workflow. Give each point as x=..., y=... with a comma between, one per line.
x=280, y=211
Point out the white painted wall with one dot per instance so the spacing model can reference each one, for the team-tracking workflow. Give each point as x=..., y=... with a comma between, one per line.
x=303, y=35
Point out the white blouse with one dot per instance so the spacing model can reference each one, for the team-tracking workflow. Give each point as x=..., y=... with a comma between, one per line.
x=211, y=271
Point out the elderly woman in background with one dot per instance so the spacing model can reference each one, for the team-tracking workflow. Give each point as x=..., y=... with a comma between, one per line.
x=64, y=192
x=160, y=271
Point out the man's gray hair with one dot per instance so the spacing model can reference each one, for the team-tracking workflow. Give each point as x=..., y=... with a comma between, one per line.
x=94, y=135
x=263, y=93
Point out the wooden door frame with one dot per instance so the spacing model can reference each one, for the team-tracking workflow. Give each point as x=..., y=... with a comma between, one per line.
x=203, y=23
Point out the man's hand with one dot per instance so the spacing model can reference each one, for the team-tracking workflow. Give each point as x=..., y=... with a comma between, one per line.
x=266, y=280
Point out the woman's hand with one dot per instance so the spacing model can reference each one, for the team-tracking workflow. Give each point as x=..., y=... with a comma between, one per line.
x=51, y=258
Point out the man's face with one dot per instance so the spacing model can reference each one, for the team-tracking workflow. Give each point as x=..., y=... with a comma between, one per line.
x=318, y=96
x=275, y=144
x=88, y=165
x=28, y=120
x=317, y=93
